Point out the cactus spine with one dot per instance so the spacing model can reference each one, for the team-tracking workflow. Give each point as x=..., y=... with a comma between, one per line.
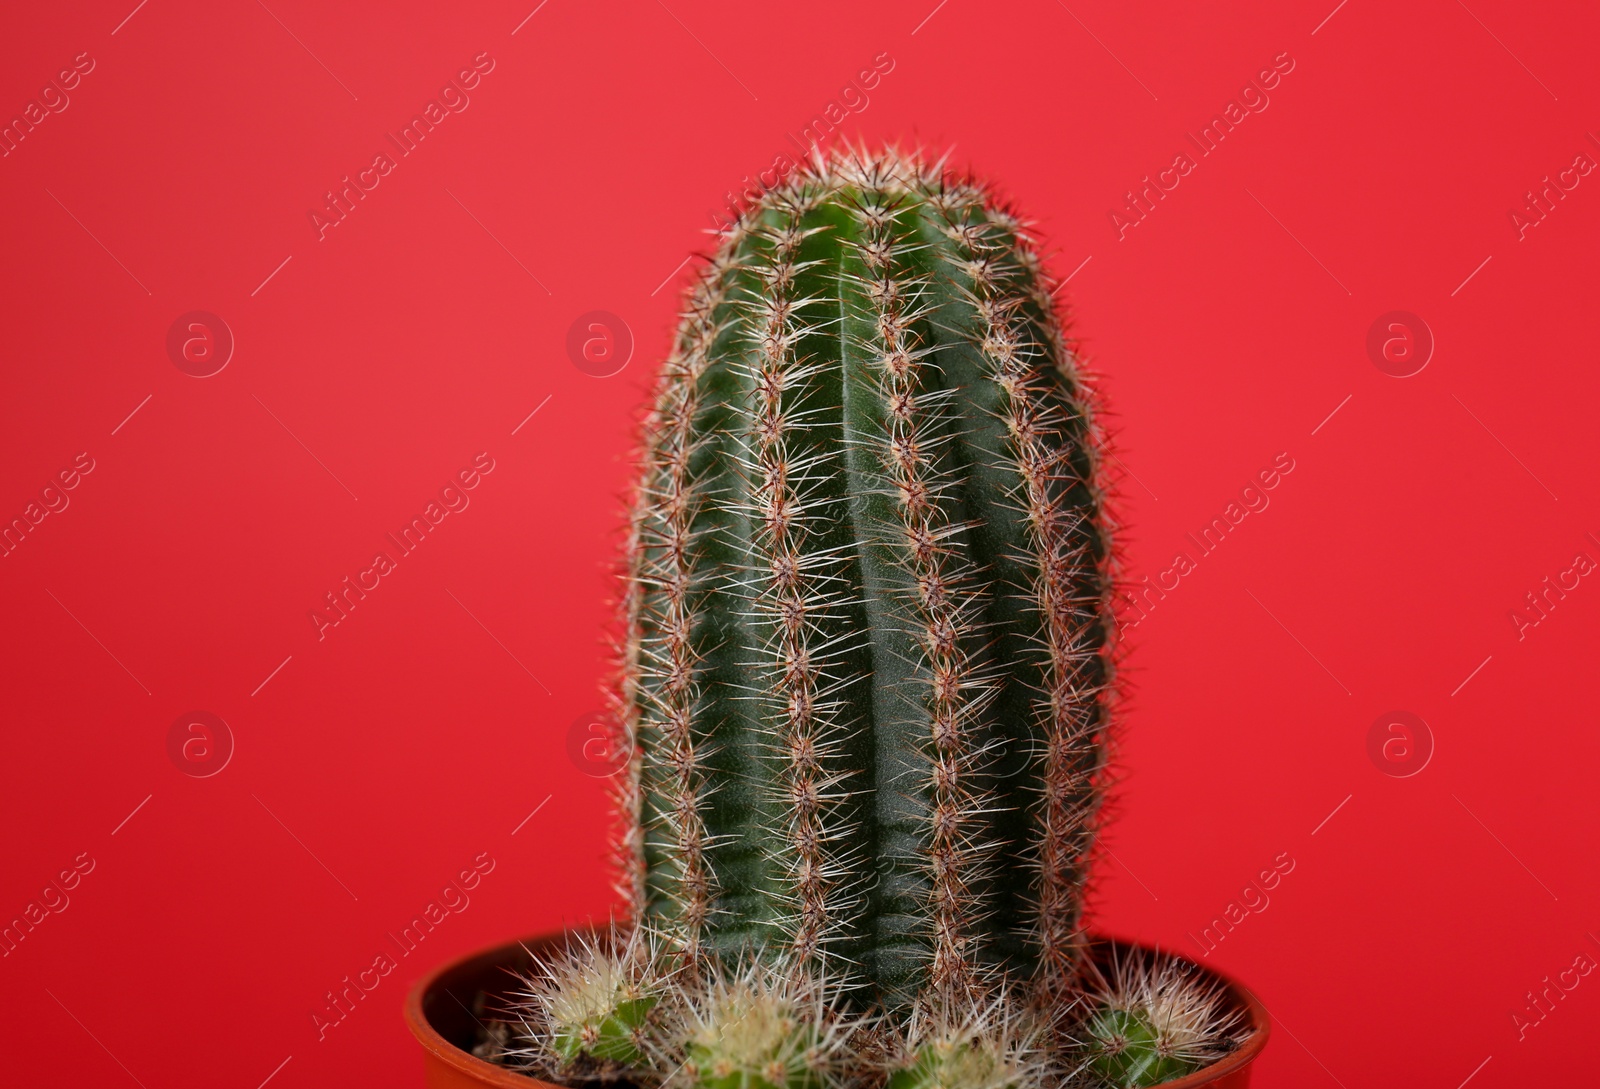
x=866, y=668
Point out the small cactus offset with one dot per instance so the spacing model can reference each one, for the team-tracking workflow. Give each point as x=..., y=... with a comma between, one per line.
x=990, y=1045
x=867, y=668
x=866, y=680
x=591, y=1013
x=763, y=1026
x=1152, y=1020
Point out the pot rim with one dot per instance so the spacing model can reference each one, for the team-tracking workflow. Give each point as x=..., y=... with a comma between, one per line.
x=1256, y=1016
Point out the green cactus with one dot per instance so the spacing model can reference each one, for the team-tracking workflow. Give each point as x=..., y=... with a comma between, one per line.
x=763, y=1026
x=591, y=1012
x=981, y=1046
x=1127, y=1051
x=1153, y=1020
x=866, y=670
x=954, y=1064
x=865, y=682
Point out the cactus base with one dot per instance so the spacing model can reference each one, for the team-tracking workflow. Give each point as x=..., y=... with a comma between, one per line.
x=446, y=1012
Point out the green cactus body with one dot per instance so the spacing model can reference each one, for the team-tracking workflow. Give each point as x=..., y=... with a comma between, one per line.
x=1127, y=1053
x=763, y=1028
x=956, y=1064
x=590, y=1013
x=1153, y=1018
x=605, y=1036
x=769, y=1054
x=866, y=670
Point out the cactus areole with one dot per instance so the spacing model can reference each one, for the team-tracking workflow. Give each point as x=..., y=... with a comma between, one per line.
x=866, y=672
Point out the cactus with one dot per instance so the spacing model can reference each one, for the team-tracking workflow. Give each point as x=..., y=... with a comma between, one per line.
x=591, y=1012
x=1153, y=1020
x=995, y=1045
x=866, y=669
x=957, y=1062
x=866, y=666
x=762, y=1026
x=866, y=679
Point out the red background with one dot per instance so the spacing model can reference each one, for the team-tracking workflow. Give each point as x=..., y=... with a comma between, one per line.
x=424, y=729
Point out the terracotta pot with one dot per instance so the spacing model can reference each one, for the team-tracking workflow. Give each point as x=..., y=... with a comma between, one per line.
x=440, y=1013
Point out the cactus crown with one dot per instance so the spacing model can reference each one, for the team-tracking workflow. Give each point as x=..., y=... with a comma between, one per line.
x=866, y=669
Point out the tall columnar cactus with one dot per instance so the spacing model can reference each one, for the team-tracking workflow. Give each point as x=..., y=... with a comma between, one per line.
x=866, y=673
